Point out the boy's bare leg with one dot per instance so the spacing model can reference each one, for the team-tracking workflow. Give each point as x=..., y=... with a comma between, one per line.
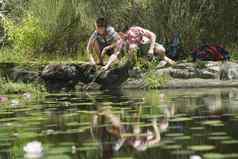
x=160, y=51
x=96, y=49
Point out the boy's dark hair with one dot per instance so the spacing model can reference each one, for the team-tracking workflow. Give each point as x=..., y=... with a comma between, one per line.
x=101, y=22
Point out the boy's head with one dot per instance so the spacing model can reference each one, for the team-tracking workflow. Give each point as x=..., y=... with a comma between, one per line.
x=101, y=25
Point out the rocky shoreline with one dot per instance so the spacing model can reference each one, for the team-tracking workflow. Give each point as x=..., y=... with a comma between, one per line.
x=192, y=75
x=85, y=76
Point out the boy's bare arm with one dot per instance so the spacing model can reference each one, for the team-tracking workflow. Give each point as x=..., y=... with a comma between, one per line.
x=152, y=37
x=90, y=50
x=156, y=139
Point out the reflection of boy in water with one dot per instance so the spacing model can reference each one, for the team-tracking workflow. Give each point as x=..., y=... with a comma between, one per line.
x=137, y=140
x=141, y=142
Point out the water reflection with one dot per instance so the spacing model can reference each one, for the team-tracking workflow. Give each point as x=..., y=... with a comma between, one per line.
x=33, y=150
x=170, y=124
x=112, y=132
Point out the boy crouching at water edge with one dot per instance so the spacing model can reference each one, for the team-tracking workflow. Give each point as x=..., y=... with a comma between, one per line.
x=137, y=38
x=101, y=42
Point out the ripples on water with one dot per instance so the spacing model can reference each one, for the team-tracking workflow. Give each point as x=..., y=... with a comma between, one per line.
x=204, y=124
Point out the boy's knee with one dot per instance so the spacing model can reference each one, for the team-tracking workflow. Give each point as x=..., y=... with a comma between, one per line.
x=160, y=51
x=160, y=48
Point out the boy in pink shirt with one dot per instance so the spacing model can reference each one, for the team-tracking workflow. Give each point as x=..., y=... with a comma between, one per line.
x=136, y=37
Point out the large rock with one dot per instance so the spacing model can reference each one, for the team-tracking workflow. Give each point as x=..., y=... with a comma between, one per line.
x=198, y=83
x=59, y=72
x=67, y=76
x=114, y=78
x=211, y=70
x=229, y=71
x=60, y=76
x=24, y=75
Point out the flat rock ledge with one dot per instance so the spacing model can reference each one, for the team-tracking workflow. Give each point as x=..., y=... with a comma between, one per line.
x=190, y=75
x=199, y=83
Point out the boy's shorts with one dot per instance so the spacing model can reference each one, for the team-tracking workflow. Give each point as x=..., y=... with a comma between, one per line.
x=144, y=48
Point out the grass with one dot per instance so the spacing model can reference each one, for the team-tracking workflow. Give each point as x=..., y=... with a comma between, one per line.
x=10, y=56
x=9, y=87
x=61, y=59
x=234, y=53
x=155, y=81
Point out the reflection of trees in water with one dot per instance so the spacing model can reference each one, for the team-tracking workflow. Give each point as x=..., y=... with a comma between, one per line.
x=224, y=101
x=201, y=104
x=233, y=100
x=204, y=101
x=213, y=103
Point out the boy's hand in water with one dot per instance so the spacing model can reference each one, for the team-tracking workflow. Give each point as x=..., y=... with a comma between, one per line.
x=92, y=63
x=104, y=68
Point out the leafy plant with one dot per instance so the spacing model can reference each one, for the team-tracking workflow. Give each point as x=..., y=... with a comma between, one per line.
x=27, y=37
x=154, y=81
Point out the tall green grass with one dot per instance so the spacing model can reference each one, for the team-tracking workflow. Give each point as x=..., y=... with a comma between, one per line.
x=64, y=26
x=8, y=55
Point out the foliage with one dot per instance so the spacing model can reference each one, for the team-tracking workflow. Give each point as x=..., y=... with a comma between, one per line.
x=8, y=55
x=63, y=26
x=15, y=8
x=26, y=37
x=234, y=52
x=154, y=81
x=66, y=22
x=9, y=87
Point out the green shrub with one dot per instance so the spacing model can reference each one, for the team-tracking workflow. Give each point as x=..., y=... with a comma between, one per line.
x=8, y=55
x=233, y=52
x=9, y=87
x=26, y=37
x=154, y=81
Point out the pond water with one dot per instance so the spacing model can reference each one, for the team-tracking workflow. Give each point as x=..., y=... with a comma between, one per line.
x=201, y=123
